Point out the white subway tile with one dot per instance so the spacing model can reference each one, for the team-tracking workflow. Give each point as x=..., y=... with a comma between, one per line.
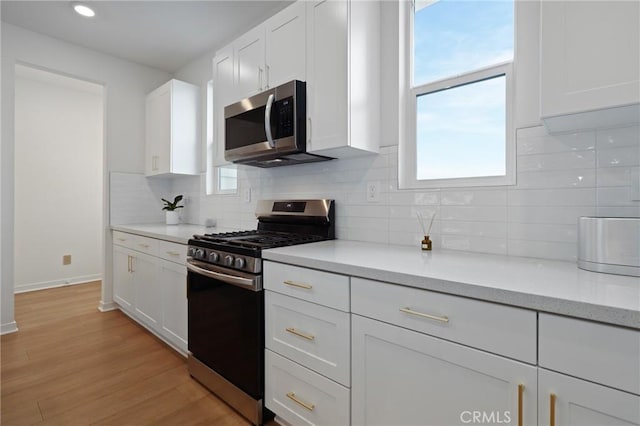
x=615, y=197
x=557, y=161
x=552, y=197
x=556, y=143
x=551, y=215
x=618, y=211
x=616, y=176
x=576, y=178
x=617, y=137
x=474, y=229
x=475, y=213
x=474, y=197
x=476, y=244
x=543, y=232
x=543, y=249
x=619, y=157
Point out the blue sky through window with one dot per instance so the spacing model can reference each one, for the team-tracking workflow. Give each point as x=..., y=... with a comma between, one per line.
x=461, y=131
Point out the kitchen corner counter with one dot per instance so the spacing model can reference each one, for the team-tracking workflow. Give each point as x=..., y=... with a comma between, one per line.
x=175, y=233
x=543, y=285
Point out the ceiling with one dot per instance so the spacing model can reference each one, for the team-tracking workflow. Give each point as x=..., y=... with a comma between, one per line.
x=157, y=33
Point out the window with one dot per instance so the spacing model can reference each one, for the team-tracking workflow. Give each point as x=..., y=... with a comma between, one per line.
x=458, y=93
x=219, y=179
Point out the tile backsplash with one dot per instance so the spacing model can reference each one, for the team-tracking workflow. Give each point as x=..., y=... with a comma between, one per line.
x=559, y=178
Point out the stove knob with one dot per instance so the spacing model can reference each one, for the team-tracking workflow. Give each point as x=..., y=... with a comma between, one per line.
x=228, y=260
x=190, y=251
x=240, y=262
x=214, y=257
x=199, y=254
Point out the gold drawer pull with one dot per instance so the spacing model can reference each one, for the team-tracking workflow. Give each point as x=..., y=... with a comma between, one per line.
x=410, y=311
x=146, y=246
x=295, y=284
x=173, y=253
x=121, y=239
x=552, y=409
x=300, y=333
x=520, y=392
x=292, y=396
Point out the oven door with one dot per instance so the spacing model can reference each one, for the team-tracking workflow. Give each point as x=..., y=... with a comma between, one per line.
x=225, y=324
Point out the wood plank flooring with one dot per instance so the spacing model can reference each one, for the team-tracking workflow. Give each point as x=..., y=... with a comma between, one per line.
x=70, y=364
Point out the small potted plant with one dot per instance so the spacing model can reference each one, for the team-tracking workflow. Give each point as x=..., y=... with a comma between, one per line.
x=170, y=208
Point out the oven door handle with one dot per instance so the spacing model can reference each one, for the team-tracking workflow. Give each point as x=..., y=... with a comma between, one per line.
x=247, y=283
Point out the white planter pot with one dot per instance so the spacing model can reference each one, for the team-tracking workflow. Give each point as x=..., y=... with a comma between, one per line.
x=172, y=217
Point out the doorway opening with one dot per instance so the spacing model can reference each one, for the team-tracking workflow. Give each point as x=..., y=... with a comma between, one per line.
x=59, y=180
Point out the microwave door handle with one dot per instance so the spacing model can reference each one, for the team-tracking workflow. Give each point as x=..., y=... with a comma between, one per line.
x=267, y=121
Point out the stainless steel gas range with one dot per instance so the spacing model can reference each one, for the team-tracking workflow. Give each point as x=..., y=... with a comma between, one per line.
x=226, y=298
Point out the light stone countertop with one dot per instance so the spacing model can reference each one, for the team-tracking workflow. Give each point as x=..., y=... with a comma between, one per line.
x=543, y=285
x=180, y=233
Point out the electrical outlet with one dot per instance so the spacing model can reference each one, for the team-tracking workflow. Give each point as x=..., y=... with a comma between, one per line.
x=373, y=192
x=66, y=259
x=246, y=195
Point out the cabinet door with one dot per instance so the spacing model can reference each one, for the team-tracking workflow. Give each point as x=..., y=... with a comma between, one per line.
x=286, y=46
x=327, y=75
x=146, y=289
x=222, y=95
x=158, y=131
x=581, y=403
x=123, y=292
x=249, y=64
x=173, y=282
x=590, y=55
x=402, y=377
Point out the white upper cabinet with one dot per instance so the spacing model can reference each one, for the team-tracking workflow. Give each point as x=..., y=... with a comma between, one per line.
x=271, y=53
x=249, y=64
x=172, y=140
x=343, y=77
x=222, y=95
x=589, y=64
x=286, y=46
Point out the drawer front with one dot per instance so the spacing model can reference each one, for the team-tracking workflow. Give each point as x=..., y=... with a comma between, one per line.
x=601, y=353
x=123, y=239
x=172, y=252
x=302, y=397
x=312, y=335
x=146, y=245
x=495, y=328
x=323, y=288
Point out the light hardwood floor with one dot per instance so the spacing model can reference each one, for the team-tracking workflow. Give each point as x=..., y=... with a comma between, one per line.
x=70, y=364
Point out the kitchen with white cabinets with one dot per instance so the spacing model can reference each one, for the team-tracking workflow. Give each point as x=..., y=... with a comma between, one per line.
x=496, y=325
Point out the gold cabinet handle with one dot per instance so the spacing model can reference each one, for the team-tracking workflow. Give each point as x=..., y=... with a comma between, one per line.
x=173, y=253
x=410, y=311
x=300, y=333
x=128, y=263
x=146, y=246
x=292, y=396
x=121, y=239
x=299, y=285
x=552, y=409
x=520, y=396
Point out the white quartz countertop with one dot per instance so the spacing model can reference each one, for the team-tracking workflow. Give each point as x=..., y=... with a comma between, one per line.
x=544, y=285
x=176, y=233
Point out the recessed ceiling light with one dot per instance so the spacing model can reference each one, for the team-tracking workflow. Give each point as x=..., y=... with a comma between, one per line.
x=83, y=10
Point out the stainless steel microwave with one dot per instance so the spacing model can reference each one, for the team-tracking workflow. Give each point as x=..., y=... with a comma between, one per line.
x=269, y=129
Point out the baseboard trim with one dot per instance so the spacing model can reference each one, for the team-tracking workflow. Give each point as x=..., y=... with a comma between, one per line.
x=106, y=307
x=10, y=327
x=56, y=283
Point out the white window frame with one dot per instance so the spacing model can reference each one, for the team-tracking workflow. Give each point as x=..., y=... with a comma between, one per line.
x=218, y=170
x=407, y=167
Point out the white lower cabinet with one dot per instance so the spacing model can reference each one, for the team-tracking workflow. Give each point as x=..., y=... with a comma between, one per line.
x=402, y=377
x=172, y=278
x=300, y=396
x=567, y=401
x=150, y=288
x=145, y=283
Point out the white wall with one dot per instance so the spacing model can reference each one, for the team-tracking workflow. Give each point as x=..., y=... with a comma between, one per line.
x=126, y=85
x=58, y=179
